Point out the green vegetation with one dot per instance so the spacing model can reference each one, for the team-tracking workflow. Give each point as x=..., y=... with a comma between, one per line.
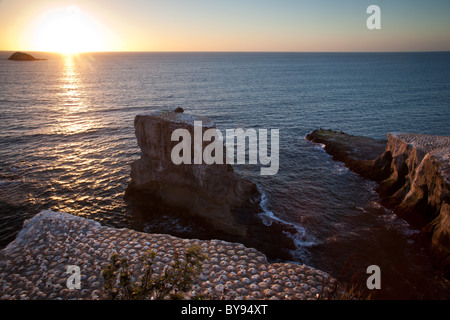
x=175, y=280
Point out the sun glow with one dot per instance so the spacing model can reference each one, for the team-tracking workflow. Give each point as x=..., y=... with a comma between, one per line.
x=68, y=30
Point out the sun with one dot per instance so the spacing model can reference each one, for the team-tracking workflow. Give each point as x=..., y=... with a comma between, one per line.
x=68, y=30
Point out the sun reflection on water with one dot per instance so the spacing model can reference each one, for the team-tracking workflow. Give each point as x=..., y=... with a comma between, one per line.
x=73, y=104
x=79, y=169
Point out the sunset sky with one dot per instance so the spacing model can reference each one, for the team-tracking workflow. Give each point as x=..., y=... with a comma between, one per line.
x=231, y=25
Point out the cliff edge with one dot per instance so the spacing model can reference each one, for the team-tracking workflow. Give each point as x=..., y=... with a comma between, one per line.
x=418, y=187
x=413, y=173
x=35, y=265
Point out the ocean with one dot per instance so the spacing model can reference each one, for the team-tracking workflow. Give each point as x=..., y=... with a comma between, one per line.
x=67, y=141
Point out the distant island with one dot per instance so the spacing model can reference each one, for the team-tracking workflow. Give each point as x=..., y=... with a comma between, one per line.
x=20, y=56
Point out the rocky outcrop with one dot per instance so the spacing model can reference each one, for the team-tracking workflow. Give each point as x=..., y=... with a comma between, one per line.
x=360, y=154
x=212, y=193
x=35, y=265
x=414, y=179
x=418, y=187
x=20, y=56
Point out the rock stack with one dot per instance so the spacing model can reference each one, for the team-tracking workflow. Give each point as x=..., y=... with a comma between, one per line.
x=213, y=193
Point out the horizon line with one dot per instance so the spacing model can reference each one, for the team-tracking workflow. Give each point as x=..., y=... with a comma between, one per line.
x=222, y=51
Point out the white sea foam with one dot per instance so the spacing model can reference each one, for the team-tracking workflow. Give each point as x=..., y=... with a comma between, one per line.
x=301, y=239
x=320, y=146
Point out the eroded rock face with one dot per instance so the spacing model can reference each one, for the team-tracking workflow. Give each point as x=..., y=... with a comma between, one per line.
x=213, y=193
x=414, y=179
x=419, y=184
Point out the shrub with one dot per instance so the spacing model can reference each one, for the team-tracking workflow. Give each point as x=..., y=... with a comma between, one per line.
x=175, y=280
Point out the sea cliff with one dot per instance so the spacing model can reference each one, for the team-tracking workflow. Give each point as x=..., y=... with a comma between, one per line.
x=413, y=172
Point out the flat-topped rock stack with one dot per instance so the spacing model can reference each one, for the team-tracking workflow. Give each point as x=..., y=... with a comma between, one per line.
x=213, y=194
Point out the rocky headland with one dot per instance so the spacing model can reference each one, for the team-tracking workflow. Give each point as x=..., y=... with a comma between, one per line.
x=35, y=264
x=413, y=175
x=213, y=194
